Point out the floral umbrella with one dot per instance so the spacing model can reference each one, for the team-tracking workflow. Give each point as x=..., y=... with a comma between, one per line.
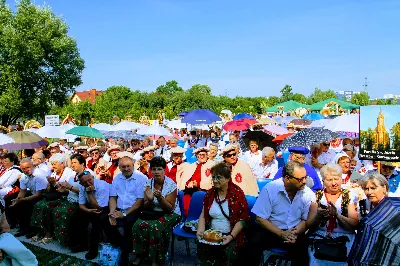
x=307, y=137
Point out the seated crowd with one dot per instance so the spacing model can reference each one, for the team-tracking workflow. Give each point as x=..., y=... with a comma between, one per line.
x=54, y=197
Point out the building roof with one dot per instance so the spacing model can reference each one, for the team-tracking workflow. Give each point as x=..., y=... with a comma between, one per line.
x=89, y=95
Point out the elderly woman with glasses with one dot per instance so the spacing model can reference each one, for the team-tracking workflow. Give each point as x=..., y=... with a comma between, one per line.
x=242, y=175
x=376, y=188
x=96, y=163
x=52, y=214
x=335, y=213
x=388, y=170
x=225, y=210
x=151, y=232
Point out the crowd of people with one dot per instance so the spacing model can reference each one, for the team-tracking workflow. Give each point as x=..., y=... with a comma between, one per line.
x=55, y=192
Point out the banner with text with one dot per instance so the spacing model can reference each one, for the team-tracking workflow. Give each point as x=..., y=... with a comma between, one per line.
x=52, y=120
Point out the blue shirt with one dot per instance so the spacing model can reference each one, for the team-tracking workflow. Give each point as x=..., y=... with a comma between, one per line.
x=310, y=172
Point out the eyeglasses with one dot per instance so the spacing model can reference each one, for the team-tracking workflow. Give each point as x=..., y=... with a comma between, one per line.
x=216, y=177
x=230, y=155
x=95, y=152
x=301, y=179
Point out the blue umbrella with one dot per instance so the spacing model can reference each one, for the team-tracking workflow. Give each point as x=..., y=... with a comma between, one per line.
x=313, y=116
x=200, y=116
x=242, y=116
x=124, y=134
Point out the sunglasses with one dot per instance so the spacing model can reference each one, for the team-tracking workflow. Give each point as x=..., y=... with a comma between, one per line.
x=230, y=155
x=301, y=179
x=82, y=174
x=95, y=152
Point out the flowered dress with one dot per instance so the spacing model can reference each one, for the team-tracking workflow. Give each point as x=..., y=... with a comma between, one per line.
x=55, y=216
x=347, y=197
x=152, y=236
x=238, y=212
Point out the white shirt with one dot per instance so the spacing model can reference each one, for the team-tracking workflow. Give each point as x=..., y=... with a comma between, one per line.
x=68, y=176
x=168, y=187
x=37, y=181
x=219, y=221
x=45, y=168
x=128, y=190
x=9, y=177
x=253, y=159
x=165, y=152
x=101, y=193
x=274, y=205
x=267, y=171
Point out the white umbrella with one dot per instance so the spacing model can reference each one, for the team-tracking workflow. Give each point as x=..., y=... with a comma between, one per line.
x=176, y=124
x=103, y=127
x=54, y=132
x=33, y=130
x=201, y=127
x=320, y=123
x=4, y=139
x=125, y=125
x=344, y=123
x=154, y=130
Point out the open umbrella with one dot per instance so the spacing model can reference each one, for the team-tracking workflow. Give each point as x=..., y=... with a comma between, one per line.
x=154, y=130
x=126, y=125
x=123, y=134
x=4, y=139
x=24, y=140
x=103, y=127
x=200, y=116
x=307, y=137
x=378, y=241
x=176, y=124
x=242, y=116
x=263, y=139
x=319, y=123
x=54, y=132
x=276, y=130
x=236, y=125
x=301, y=123
x=85, y=131
x=266, y=121
x=248, y=121
x=182, y=113
x=280, y=138
x=313, y=116
x=345, y=123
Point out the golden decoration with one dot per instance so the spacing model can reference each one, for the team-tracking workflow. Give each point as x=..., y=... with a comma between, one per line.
x=115, y=120
x=68, y=120
x=144, y=119
x=32, y=124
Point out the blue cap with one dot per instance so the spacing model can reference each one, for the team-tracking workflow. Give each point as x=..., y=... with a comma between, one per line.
x=299, y=149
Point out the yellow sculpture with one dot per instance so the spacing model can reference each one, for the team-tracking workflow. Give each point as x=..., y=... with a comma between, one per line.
x=115, y=120
x=68, y=120
x=32, y=124
x=160, y=117
x=381, y=134
x=144, y=119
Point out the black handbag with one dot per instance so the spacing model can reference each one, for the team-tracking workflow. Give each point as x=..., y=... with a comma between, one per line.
x=330, y=248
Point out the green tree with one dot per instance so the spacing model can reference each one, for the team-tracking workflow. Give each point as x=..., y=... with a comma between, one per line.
x=39, y=63
x=299, y=98
x=361, y=98
x=319, y=95
x=395, y=132
x=169, y=88
x=200, y=89
x=381, y=102
x=286, y=93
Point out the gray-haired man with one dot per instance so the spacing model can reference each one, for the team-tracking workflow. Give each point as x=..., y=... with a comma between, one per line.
x=268, y=166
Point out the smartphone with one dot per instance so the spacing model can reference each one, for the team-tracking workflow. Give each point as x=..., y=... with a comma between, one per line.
x=323, y=206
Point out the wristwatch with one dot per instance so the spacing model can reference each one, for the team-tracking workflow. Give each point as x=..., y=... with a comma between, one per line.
x=123, y=213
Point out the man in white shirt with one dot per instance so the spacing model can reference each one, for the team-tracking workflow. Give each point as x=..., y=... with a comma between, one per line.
x=32, y=182
x=268, y=167
x=282, y=210
x=162, y=149
x=94, y=195
x=39, y=161
x=126, y=198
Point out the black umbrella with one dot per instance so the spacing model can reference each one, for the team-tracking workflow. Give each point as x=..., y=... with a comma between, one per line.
x=263, y=139
x=308, y=137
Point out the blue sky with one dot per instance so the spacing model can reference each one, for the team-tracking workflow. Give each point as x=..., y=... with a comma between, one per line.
x=247, y=48
x=369, y=115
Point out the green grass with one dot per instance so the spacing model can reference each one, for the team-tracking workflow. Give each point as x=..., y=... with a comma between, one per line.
x=44, y=257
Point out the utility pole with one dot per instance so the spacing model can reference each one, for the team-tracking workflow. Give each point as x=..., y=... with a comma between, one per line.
x=365, y=84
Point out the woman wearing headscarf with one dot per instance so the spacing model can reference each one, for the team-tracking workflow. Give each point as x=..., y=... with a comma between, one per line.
x=225, y=210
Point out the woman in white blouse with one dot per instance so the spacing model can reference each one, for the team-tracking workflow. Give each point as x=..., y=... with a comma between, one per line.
x=9, y=178
x=52, y=215
x=151, y=232
x=335, y=213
